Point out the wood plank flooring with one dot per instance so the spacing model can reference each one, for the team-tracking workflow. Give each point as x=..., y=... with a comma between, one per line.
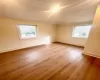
x=49, y=62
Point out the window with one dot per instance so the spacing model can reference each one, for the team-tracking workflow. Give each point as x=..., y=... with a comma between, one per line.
x=81, y=31
x=27, y=31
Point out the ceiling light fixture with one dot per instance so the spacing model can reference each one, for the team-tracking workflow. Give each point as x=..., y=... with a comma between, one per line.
x=55, y=9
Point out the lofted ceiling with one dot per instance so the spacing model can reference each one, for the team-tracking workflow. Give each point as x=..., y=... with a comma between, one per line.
x=34, y=10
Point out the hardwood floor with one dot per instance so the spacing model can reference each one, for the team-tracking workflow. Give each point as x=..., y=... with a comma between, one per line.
x=50, y=62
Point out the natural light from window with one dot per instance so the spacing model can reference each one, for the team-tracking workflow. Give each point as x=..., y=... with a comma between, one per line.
x=27, y=31
x=81, y=31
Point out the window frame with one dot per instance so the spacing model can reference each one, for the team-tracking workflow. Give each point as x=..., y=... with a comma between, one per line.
x=19, y=32
x=73, y=31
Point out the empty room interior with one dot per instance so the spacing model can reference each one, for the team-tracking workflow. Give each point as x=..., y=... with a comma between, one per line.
x=49, y=39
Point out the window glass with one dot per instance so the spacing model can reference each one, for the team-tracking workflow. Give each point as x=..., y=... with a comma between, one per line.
x=81, y=31
x=27, y=31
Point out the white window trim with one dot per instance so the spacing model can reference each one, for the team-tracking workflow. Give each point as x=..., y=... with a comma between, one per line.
x=73, y=31
x=19, y=33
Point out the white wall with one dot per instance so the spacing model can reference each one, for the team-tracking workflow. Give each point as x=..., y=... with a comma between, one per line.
x=64, y=34
x=9, y=39
x=93, y=43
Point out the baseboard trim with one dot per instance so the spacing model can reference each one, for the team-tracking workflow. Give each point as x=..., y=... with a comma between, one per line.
x=91, y=54
x=39, y=46
x=70, y=44
x=23, y=48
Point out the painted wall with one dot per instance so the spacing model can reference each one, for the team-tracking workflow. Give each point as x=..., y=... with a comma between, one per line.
x=93, y=43
x=64, y=34
x=9, y=38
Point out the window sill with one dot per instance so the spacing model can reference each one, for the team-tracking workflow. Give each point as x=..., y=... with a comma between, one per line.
x=28, y=38
x=80, y=37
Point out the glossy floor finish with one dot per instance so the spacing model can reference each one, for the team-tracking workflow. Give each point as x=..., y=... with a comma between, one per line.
x=50, y=62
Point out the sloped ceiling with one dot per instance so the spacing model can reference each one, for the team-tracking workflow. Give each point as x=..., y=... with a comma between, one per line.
x=33, y=10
